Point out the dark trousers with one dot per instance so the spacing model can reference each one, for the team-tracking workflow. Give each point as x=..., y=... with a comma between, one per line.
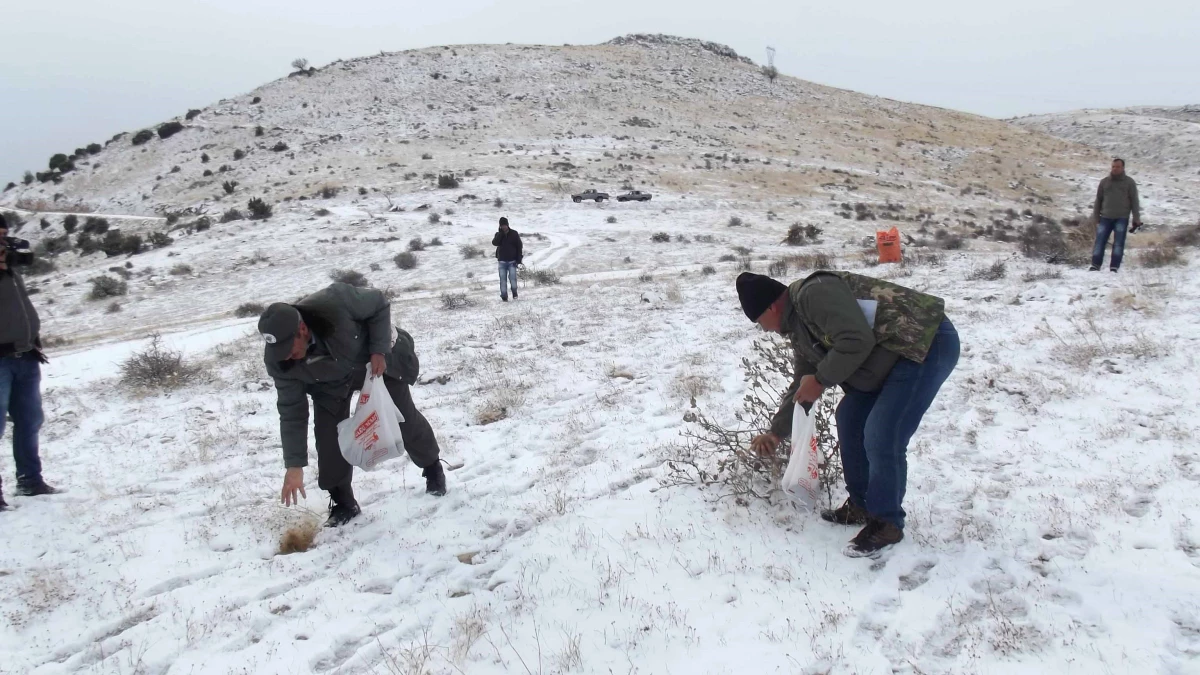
x=333, y=469
x=1117, y=227
x=874, y=428
x=21, y=397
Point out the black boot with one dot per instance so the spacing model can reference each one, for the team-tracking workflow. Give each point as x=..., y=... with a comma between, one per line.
x=3, y=504
x=514, y=291
x=342, y=507
x=846, y=514
x=35, y=488
x=435, y=479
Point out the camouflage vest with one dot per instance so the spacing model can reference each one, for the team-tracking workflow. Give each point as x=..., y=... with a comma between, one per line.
x=906, y=321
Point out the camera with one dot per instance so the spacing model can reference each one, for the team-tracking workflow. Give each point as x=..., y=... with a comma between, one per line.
x=18, y=251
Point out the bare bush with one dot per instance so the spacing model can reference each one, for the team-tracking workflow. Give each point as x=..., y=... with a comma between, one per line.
x=447, y=181
x=1185, y=236
x=259, y=209
x=415, y=244
x=351, y=277
x=708, y=270
x=470, y=252
x=435, y=218
x=1040, y=275
x=812, y=261
x=539, y=277
x=779, y=268
x=181, y=269
x=231, y=215
x=1160, y=256
x=952, y=242
x=660, y=238
x=994, y=272
x=405, y=260
x=456, y=301
x=107, y=287
x=157, y=367
x=735, y=221
x=719, y=456
x=248, y=309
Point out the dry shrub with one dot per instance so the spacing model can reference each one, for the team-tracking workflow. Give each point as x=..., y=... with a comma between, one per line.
x=351, y=277
x=811, y=261
x=299, y=537
x=994, y=272
x=490, y=413
x=690, y=385
x=248, y=309
x=456, y=301
x=1041, y=275
x=714, y=455
x=157, y=367
x=1185, y=236
x=1160, y=256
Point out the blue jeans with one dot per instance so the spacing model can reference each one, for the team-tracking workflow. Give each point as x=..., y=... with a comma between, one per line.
x=21, y=397
x=508, y=272
x=874, y=427
x=1106, y=227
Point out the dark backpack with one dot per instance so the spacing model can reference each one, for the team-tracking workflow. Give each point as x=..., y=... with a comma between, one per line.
x=405, y=354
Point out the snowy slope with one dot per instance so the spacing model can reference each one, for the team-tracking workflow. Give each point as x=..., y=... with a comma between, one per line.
x=1052, y=488
x=1162, y=137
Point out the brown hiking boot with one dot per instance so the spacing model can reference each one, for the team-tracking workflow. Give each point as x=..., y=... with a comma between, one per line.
x=846, y=514
x=874, y=539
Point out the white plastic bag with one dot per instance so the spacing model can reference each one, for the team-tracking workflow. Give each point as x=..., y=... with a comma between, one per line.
x=802, y=479
x=371, y=435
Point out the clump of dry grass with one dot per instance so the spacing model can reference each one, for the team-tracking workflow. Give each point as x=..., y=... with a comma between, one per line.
x=1160, y=256
x=299, y=537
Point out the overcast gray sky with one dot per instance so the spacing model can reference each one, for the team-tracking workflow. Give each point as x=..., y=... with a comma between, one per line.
x=78, y=71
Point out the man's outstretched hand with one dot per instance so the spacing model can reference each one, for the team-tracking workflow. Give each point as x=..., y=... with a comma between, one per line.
x=293, y=482
x=764, y=444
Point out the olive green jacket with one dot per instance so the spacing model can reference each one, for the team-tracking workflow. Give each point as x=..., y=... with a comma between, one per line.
x=826, y=324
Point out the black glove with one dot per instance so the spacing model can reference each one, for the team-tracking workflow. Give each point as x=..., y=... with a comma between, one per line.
x=41, y=356
x=1134, y=228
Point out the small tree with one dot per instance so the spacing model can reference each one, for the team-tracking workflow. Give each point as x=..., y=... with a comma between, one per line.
x=300, y=65
x=57, y=160
x=191, y=114
x=142, y=136
x=158, y=368
x=229, y=186
x=447, y=182
x=70, y=223
x=259, y=131
x=94, y=148
x=770, y=72
x=28, y=178
x=280, y=147
x=259, y=210
x=239, y=154
x=231, y=215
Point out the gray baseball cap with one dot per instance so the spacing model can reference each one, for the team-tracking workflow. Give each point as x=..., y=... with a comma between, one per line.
x=278, y=325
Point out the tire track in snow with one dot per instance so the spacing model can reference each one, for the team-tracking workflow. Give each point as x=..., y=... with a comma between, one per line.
x=560, y=245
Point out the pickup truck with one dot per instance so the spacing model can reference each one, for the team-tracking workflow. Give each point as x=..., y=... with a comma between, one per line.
x=589, y=194
x=634, y=196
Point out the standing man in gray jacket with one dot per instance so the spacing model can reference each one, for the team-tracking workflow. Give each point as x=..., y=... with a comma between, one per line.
x=322, y=347
x=20, y=372
x=1116, y=197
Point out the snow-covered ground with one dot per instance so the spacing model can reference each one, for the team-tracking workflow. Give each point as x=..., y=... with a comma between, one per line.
x=1052, y=488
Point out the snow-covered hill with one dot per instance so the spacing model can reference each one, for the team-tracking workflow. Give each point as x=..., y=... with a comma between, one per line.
x=1052, y=489
x=1156, y=136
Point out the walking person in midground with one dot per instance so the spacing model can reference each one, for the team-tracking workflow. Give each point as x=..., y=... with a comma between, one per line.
x=321, y=348
x=21, y=359
x=508, y=253
x=890, y=348
x=1116, y=198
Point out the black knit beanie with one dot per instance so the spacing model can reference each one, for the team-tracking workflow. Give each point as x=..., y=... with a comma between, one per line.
x=757, y=293
x=503, y=220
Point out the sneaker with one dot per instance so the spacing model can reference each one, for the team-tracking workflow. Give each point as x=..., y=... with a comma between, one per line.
x=504, y=298
x=1093, y=268
x=342, y=507
x=846, y=514
x=515, y=291
x=435, y=479
x=1113, y=270
x=874, y=539
x=35, y=489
